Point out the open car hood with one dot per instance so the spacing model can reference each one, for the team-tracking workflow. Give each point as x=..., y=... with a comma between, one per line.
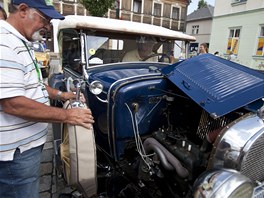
x=219, y=86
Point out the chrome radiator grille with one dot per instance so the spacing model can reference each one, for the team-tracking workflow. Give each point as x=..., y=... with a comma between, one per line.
x=252, y=164
x=240, y=146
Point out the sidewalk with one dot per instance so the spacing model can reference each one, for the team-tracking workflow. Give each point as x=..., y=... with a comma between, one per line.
x=50, y=185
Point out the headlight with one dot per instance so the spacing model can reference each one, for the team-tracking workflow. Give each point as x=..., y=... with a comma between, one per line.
x=96, y=87
x=223, y=183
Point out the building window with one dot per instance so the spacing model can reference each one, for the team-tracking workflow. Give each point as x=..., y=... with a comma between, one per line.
x=233, y=40
x=137, y=6
x=175, y=13
x=157, y=9
x=195, y=29
x=260, y=45
x=238, y=1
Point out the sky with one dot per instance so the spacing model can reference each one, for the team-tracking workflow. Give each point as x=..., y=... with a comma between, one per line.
x=194, y=5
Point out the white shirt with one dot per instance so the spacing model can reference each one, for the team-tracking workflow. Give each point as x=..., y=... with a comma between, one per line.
x=18, y=77
x=134, y=56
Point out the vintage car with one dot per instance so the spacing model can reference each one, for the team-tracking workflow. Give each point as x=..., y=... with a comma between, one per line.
x=43, y=58
x=194, y=128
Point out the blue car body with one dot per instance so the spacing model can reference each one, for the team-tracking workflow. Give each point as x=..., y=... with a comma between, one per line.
x=186, y=112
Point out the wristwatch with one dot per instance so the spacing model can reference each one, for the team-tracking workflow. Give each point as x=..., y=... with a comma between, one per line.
x=58, y=96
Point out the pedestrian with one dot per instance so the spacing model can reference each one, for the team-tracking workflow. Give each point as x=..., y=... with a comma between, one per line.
x=3, y=14
x=203, y=48
x=231, y=56
x=24, y=99
x=43, y=44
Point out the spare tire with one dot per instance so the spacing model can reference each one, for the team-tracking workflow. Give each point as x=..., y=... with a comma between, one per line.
x=78, y=156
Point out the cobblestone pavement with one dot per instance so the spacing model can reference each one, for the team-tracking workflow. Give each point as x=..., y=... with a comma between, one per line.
x=50, y=185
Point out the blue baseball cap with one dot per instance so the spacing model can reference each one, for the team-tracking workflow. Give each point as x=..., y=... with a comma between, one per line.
x=44, y=6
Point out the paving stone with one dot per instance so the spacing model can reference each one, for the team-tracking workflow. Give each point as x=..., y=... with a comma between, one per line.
x=48, y=145
x=47, y=155
x=45, y=183
x=46, y=168
x=45, y=195
x=49, y=138
x=53, y=189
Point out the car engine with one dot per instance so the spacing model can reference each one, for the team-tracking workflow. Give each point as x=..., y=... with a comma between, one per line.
x=187, y=141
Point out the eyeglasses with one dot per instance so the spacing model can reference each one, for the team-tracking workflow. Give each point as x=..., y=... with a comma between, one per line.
x=45, y=20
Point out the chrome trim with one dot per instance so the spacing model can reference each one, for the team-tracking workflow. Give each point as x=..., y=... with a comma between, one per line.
x=235, y=141
x=84, y=56
x=127, y=63
x=260, y=112
x=221, y=183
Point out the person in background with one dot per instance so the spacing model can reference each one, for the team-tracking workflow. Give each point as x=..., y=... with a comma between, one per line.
x=44, y=44
x=203, y=49
x=3, y=14
x=24, y=99
x=172, y=58
x=231, y=56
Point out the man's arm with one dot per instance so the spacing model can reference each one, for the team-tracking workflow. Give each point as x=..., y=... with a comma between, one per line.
x=31, y=110
x=53, y=94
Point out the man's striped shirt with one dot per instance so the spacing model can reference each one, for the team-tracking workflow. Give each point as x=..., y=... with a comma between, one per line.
x=18, y=77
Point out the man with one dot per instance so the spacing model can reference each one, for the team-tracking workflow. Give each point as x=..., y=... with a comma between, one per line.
x=24, y=110
x=144, y=49
x=231, y=56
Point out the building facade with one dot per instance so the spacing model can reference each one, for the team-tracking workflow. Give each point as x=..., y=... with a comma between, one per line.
x=238, y=29
x=167, y=13
x=199, y=24
x=170, y=14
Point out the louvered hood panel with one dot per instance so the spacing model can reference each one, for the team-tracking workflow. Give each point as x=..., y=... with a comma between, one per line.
x=219, y=86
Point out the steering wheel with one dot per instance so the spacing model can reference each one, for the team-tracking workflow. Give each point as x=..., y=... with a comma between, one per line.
x=163, y=55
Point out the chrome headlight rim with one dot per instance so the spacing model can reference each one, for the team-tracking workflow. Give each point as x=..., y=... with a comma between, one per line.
x=96, y=87
x=222, y=183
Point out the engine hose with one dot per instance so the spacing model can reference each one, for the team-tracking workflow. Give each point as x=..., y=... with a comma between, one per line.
x=162, y=157
x=166, y=158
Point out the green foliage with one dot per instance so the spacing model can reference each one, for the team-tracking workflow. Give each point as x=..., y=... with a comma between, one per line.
x=202, y=4
x=97, y=7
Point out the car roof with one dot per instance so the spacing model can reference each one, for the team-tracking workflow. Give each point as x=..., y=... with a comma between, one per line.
x=116, y=25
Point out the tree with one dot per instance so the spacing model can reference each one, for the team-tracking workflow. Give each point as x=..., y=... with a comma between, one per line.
x=202, y=4
x=97, y=7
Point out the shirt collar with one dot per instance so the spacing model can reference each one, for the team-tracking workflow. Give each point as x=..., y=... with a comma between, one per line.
x=11, y=29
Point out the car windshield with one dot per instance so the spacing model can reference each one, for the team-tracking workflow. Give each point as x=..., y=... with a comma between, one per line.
x=102, y=49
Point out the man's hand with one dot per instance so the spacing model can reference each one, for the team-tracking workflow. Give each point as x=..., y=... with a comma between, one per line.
x=63, y=96
x=78, y=116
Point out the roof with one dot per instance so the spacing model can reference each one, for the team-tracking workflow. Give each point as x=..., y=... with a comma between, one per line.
x=116, y=25
x=206, y=12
